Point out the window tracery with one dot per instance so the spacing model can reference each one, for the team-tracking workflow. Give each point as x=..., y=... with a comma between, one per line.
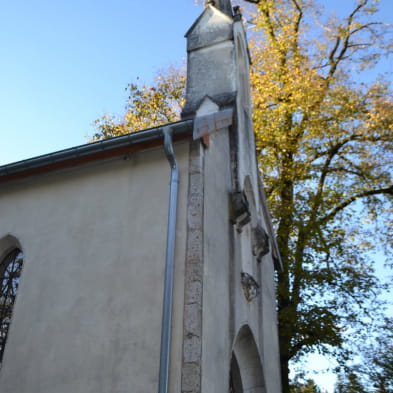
x=10, y=271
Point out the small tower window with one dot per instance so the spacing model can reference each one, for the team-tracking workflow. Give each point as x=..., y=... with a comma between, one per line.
x=10, y=270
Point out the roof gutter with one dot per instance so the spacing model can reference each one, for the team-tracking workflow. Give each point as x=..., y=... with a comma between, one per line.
x=107, y=148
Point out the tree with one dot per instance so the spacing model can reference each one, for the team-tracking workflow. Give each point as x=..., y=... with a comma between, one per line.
x=308, y=386
x=325, y=151
x=324, y=144
x=147, y=106
x=349, y=383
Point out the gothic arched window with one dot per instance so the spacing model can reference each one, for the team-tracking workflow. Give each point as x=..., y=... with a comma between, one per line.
x=10, y=270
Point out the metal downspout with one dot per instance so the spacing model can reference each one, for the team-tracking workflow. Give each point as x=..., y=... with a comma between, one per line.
x=166, y=327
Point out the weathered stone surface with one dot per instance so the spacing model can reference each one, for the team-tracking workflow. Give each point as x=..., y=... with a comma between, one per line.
x=195, y=184
x=195, y=167
x=194, y=292
x=191, y=378
x=192, y=325
x=194, y=246
x=192, y=319
x=192, y=349
x=194, y=217
x=194, y=273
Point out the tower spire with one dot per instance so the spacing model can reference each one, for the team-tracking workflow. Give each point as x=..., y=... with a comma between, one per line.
x=223, y=5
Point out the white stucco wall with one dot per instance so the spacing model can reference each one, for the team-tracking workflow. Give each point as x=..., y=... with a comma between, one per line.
x=88, y=312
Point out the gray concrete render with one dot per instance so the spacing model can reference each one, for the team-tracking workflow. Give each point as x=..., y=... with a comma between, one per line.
x=87, y=317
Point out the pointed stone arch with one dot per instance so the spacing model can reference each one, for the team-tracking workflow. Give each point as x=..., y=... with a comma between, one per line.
x=7, y=244
x=246, y=375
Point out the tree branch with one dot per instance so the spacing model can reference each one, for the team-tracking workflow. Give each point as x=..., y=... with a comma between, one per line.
x=299, y=17
x=335, y=148
x=334, y=61
x=347, y=202
x=269, y=23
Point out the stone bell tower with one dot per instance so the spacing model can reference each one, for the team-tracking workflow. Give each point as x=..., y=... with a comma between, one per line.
x=230, y=327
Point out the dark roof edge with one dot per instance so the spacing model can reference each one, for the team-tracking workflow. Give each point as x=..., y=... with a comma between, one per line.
x=96, y=150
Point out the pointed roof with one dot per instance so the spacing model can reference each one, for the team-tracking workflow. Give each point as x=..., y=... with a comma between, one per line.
x=212, y=26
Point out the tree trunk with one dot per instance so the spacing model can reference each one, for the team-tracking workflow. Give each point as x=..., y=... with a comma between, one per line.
x=284, y=360
x=286, y=314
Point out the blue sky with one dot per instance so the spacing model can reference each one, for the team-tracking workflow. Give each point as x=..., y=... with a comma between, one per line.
x=66, y=63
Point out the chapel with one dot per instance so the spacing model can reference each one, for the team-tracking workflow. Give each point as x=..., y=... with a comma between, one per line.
x=146, y=262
